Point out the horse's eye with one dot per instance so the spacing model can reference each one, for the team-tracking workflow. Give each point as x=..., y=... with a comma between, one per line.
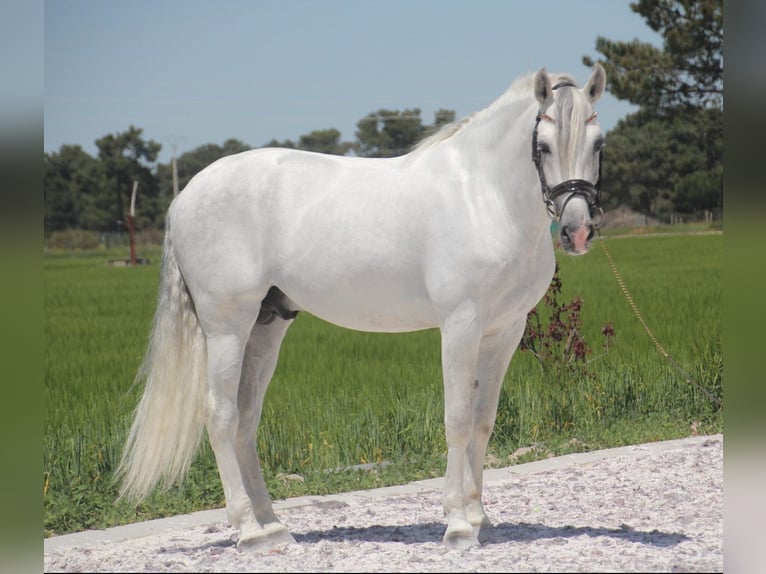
x=543, y=147
x=599, y=144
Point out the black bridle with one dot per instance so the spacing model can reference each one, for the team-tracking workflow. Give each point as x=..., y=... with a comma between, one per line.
x=590, y=192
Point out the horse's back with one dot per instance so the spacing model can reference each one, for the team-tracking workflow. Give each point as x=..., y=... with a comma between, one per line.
x=291, y=200
x=343, y=237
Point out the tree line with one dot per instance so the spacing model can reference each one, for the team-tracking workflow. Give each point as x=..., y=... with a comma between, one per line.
x=665, y=159
x=92, y=193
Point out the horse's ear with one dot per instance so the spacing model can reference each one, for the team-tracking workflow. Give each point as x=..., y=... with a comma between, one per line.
x=596, y=83
x=543, y=88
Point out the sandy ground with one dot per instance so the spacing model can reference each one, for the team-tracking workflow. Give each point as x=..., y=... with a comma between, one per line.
x=656, y=507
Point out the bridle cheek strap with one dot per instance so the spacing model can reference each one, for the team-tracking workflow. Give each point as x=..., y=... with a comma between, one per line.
x=590, y=192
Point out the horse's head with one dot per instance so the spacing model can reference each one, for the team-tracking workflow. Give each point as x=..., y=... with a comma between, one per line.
x=566, y=149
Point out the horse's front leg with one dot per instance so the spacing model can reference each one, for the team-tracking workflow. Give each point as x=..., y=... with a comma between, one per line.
x=460, y=347
x=495, y=353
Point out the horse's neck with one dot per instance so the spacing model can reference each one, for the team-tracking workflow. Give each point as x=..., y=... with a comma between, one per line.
x=504, y=130
x=496, y=143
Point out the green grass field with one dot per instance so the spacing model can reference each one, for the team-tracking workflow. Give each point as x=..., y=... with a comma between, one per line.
x=342, y=398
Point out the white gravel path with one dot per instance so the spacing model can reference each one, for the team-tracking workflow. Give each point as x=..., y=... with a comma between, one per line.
x=655, y=507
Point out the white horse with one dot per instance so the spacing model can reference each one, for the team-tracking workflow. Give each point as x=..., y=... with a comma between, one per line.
x=454, y=235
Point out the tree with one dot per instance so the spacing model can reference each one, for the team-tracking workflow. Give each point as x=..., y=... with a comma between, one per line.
x=123, y=156
x=442, y=117
x=192, y=162
x=651, y=162
x=324, y=141
x=668, y=157
x=687, y=72
x=321, y=141
x=390, y=133
x=274, y=142
x=73, y=181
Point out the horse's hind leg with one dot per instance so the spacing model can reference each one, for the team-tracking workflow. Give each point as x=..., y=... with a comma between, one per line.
x=228, y=334
x=225, y=353
x=260, y=361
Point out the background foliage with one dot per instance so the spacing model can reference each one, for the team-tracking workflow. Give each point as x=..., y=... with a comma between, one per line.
x=341, y=397
x=665, y=160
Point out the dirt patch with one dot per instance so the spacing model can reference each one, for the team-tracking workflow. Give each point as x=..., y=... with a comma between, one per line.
x=623, y=216
x=644, y=510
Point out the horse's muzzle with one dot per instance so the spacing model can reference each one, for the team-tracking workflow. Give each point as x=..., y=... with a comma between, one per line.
x=577, y=235
x=577, y=240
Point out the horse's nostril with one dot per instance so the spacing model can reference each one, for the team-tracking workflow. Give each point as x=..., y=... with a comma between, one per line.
x=591, y=231
x=565, y=233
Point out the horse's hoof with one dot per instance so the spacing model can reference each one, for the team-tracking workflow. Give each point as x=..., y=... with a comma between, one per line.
x=260, y=540
x=480, y=521
x=482, y=525
x=483, y=531
x=460, y=536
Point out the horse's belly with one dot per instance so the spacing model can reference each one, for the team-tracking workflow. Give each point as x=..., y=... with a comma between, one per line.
x=374, y=321
x=366, y=305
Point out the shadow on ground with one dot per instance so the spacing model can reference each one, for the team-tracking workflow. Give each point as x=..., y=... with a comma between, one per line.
x=501, y=533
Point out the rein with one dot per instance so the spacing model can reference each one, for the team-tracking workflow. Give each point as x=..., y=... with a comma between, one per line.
x=592, y=195
x=657, y=344
x=590, y=192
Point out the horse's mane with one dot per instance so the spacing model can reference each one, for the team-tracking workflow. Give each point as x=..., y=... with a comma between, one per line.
x=571, y=118
x=443, y=133
x=521, y=87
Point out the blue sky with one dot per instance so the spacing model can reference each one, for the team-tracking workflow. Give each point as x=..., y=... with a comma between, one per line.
x=192, y=72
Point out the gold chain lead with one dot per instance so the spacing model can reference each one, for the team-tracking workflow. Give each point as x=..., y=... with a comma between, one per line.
x=649, y=332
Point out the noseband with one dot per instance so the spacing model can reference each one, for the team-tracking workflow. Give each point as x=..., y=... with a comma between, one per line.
x=591, y=193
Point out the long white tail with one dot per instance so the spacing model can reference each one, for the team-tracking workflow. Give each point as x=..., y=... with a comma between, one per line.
x=169, y=419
